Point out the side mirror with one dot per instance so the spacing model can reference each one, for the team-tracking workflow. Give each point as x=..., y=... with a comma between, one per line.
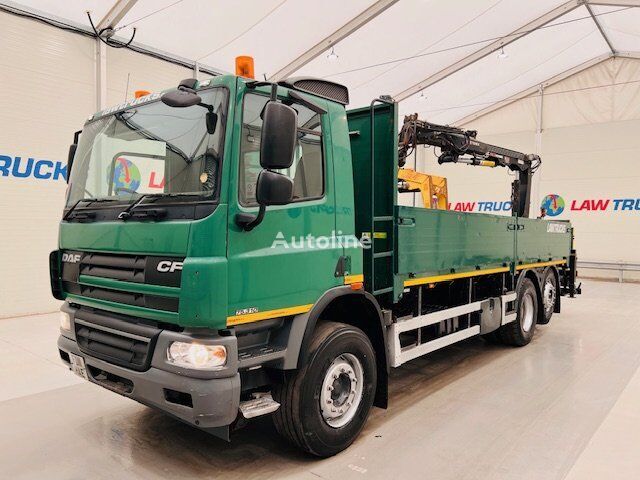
x=278, y=139
x=273, y=188
x=181, y=98
x=72, y=153
x=277, y=147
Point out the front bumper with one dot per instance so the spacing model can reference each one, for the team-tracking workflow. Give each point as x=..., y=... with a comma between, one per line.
x=207, y=400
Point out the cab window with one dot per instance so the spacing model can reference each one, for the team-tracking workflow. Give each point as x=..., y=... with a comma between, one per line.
x=307, y=169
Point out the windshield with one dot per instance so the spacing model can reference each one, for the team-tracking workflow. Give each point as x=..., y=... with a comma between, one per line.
x=151, y=149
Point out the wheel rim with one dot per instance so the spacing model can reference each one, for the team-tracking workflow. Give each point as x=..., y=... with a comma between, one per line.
x=341, y=392
x=527, y=312
x=549, y=297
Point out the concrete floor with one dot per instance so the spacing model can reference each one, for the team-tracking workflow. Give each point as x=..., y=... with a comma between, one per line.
x=566, y=406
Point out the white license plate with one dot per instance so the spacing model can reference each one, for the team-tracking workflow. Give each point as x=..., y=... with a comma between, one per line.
x=78, y=366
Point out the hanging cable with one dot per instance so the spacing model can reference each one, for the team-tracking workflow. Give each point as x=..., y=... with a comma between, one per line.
x=112, y=31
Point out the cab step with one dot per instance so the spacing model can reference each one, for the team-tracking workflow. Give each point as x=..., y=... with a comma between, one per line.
x=261, y=404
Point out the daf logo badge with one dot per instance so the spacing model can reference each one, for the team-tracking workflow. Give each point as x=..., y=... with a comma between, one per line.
x=71, y=257
x=167, y=266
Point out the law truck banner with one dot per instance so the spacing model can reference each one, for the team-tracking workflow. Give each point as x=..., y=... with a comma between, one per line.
x=138, y=174
x=19, y=166
x=554, y=205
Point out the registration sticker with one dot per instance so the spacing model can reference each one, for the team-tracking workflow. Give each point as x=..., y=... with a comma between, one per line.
x=78, y=366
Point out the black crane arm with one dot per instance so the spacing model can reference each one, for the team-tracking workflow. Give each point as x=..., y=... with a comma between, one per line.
x=455, y=142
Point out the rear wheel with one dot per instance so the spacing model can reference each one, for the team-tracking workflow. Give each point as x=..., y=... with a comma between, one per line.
x=325, y=404
x=520, y=332
x=549, y=295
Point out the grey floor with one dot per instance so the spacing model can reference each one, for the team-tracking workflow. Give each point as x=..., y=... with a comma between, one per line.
x=566, y=406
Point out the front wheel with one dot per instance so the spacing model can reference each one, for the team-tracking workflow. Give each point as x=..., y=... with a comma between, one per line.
x=325, y=404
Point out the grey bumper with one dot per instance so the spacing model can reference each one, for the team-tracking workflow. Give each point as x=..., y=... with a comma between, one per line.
x=208, y=400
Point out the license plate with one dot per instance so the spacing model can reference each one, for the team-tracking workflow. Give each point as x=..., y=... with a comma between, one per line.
x=78, y=366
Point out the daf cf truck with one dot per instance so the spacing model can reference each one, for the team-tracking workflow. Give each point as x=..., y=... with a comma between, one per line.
x=233, y=248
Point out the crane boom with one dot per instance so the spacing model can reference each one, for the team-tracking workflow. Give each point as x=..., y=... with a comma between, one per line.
x=455, y=142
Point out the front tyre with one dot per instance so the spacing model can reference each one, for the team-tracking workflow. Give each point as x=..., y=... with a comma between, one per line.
x=325, y=404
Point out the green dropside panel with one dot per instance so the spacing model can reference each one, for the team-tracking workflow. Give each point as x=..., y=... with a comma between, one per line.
x=438, y=242
x=542, y=240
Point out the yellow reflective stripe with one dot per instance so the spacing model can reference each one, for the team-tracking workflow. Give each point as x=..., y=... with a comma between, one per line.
x=540, y=264
x=280, y=312
x=356, y=278
x=453, y=276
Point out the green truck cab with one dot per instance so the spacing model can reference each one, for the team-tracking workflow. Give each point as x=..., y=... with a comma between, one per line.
x=233, y=248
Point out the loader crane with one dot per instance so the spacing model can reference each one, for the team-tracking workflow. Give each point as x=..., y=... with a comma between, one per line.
x=454, y=143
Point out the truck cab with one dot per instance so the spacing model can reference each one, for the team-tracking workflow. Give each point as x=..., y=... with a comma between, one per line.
x=234, y=248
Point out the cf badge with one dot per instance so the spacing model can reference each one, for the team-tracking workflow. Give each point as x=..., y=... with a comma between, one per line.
x=167, y=266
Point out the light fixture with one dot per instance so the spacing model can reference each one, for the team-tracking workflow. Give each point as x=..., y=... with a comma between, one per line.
x=65, y=321
x=332, y=56
x=196, y=355
x=502, y=55
x=422, y=97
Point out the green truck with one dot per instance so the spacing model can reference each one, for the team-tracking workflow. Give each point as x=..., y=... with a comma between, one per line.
x=233, y=248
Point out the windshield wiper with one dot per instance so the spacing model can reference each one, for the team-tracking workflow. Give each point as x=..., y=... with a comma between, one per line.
x=137, y=128
x=67, y=215
x=127, y=212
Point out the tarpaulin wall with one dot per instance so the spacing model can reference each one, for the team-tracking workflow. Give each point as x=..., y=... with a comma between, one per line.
x=47, y=91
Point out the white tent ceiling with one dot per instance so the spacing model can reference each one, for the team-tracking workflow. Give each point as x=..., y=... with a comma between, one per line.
x=446, y=51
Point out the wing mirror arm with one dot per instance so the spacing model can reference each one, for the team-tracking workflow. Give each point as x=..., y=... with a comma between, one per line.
x=248, y=221
x=72, y=153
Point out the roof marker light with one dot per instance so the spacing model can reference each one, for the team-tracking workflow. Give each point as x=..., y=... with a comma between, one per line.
x=244, y=67
x=502, y=55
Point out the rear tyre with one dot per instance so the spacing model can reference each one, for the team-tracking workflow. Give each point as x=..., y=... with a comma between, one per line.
x=549, y=295
x=325, y=404
x=493, y=337
x=520, y=332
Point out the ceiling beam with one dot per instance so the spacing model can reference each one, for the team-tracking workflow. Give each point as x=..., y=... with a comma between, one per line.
x=600, y=29
x=635, y=55
x=343, y=32
x=492, y=47
x=115, y=14
x=535, y=88
x=615, y=3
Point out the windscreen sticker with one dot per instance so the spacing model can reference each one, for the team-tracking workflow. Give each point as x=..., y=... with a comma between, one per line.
x=133, y=174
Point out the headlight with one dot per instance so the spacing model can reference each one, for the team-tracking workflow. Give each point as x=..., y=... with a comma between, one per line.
x=65, y=321
x=196, y=355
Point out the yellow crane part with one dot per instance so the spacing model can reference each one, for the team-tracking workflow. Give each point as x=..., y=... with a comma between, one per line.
x=432, y=188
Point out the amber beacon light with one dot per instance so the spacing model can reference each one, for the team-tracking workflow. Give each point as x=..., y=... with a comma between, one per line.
x=244, y=66
x=141, y=93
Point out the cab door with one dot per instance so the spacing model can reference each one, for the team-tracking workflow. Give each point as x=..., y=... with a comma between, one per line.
x=288, y=261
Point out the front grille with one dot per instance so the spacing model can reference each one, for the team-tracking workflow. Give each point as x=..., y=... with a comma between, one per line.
x=157, y=302
x=142, y=269
x=120, y=340
x=129, y=268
